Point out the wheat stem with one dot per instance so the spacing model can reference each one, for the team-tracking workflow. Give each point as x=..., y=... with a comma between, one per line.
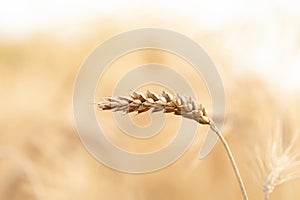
x=231, y=158
x=267, y=196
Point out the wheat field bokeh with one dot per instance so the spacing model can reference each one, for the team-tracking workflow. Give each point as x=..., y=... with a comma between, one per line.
x=42, y=157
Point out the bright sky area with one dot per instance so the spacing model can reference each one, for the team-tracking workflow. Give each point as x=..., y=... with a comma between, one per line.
x=272, y=50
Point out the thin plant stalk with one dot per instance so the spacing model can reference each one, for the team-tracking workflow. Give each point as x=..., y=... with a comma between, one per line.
x=231, y=158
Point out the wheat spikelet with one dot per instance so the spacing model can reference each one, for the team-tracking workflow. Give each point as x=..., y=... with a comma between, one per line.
x=166, y=102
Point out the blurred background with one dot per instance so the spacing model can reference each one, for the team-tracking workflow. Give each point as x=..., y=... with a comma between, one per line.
x=254, y=44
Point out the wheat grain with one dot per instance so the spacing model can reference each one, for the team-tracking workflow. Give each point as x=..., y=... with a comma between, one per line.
x=169, y=103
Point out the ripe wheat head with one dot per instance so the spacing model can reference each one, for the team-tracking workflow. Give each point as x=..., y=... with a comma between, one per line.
x=166, y=102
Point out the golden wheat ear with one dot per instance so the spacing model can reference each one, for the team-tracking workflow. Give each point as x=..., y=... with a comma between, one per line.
x=166, y=102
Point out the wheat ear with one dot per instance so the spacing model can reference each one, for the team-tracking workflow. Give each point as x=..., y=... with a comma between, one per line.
x=277, y=161
x=168, y=103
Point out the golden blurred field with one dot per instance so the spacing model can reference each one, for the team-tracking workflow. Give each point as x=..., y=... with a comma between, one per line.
x=41, y=156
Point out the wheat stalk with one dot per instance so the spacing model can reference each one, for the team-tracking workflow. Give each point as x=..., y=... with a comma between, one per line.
x=169, y=103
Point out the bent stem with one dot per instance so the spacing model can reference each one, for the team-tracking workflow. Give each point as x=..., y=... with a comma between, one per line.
x=233, y=163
